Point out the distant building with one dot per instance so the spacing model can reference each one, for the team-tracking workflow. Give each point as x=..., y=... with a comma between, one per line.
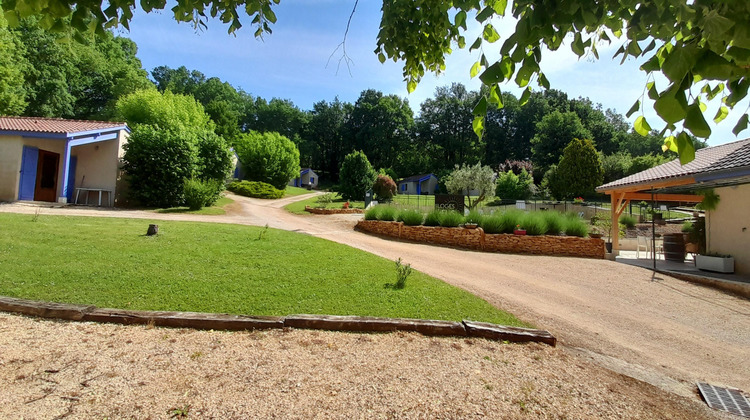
x=306, y=177
x=425, y=184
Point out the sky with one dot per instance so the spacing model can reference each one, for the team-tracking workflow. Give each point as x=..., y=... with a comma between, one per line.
x=300, y=61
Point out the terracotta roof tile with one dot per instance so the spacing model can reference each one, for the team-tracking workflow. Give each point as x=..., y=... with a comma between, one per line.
x=53, y=125
x=710, y=159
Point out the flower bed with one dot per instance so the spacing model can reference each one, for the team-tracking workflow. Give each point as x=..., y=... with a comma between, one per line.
x=476, y=239
x=315, y=210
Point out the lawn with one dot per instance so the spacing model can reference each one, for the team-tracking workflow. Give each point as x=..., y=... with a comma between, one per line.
x=292, y=191
x=216, y=210
x=337, y=203
x=211, y=267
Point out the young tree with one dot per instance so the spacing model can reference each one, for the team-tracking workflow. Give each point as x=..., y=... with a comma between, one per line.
x=472, y=181
x=555, y=131
x=268, y=157
x=356, y=176
x=580, y=170
x=514, y=187
x=384, y=188
x=164, y=110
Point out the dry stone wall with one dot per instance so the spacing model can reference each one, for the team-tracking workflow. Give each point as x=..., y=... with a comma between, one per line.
x=332, y=211
x=476, y=239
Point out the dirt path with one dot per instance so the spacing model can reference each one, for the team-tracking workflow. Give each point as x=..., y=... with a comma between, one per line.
x=657, y=329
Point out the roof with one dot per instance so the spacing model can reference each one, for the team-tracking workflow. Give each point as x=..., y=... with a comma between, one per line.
x=416, y=178
x=726, y=157
x=55, y=125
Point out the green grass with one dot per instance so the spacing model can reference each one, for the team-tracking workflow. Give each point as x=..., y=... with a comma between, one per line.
x=298, y=207
x=211, y=267
x=292, y=191
x=216, y=210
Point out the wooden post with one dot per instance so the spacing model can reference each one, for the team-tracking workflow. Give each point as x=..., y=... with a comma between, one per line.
x=614, y=233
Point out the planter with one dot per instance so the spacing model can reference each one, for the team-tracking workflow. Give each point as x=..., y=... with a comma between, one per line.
x=519, y=232
x=674, y=247
x=470, y=225
x=596, y=235
x=608, y=245
x=715, y=264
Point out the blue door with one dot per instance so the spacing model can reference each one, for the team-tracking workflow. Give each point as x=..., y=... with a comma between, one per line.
x=71, y=177
x=26, y=185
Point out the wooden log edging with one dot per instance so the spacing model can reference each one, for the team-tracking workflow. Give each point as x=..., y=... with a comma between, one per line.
x=214, y=321
x=477, y=239
x=315, y=210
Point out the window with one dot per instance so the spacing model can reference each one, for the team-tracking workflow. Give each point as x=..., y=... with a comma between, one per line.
x=404, y=187
x=312, y=180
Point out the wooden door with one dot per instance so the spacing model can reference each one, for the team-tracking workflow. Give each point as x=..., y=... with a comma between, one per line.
x=46, y=176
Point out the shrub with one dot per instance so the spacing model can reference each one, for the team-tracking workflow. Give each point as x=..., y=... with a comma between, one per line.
x=492, y=224
x=509, y=220
x=323, y=200
x=555, y=222
x=255, y=189
x=199, y=194
x=267, y=157
x=474, y=217
x=451, y=219
x=402, y=273
x=372, y=213
x=387, y=213
x=687, y=227
x=356, y=176
x=384, y=188
x=514, y=187
x=534, y=223
x=432, y=218
x=157, y=163
x=576, y=227
x=628, y=220
x=411, y=217
x=214, y=157
x=580, y=170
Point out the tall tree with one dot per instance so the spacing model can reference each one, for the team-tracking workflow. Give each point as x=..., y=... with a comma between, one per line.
x=554, y=132
x=580, y=170
x=12, y=67
x=325, y=135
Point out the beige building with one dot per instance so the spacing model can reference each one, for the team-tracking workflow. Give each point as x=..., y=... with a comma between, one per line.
x=56, y=160
x=425, y=184
x=726, y=170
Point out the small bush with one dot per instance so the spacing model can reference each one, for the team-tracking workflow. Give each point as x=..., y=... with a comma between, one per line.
x=324, y=200
x=432, y=218
x=534, y=223
x=410, y=217
x=474, y=217
x=509, y=220
x=255, y=189
x=687, y=227
x=387, y=213
x=628, y=220
x=576, y=227
x=492, y=224
x=199, y=194
x=372, y=213
x=402, y=273
x=451, y=219
x=555, y=222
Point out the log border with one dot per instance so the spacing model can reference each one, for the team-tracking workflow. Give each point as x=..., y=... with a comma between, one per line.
x=214, y=321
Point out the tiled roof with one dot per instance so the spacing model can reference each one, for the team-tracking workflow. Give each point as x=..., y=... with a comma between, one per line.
x=54, y=125
x=711, y=159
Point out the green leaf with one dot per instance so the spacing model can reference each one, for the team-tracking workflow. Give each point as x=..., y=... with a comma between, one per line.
x=485, y=14
x=478, y=126
x=636, y=106
x=695, y=122
x=543, y=82
x=721, y=114
x=741, y=125
x=679, y=62
x=411, y=86
x=495, y=96
x=525, y=97
x=500, y=6
x=524, y=75
x=475, y=69
x=670, y=143
x=477, y=43
x=714, y=67
x=685, y=148
x=493, y=74
x=507, y=67
x=577, y=45
x=381, y=58
x=641, y=126
x=461, y=19
x=480, y=110
x=490, y=34
x=671, y=106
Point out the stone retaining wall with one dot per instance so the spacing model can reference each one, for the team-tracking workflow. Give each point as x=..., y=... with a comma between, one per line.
x=476, y=239
x=332, y=211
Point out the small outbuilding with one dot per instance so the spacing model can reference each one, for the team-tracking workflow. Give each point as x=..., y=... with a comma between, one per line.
x=425, y=184
x=51, y=159
x=307, y=177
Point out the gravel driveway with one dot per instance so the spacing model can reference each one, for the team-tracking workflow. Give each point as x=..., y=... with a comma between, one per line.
x=657, y=329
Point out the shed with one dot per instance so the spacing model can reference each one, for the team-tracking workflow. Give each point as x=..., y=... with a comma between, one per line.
x=425, y=184
x=306, y=177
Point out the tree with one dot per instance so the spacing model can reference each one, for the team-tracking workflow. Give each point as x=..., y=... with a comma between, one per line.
x=325, y=134
x=472, y=181
x=356, y=176
x=214, y=158
x=514, y=187
x=164, y=110
x=641, y=163
x=580, y=170
x=554, y=132
x=12, y=66
x=267, y=157
x=616, y=166
x=384, y=188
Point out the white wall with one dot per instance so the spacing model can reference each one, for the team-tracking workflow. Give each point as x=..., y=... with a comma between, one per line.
x=728, y=227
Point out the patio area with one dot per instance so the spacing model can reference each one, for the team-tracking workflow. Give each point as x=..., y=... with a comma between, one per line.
x=735, y=283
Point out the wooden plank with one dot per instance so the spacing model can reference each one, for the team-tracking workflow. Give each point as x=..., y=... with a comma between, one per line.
x=197, y=320
x=514, y=334
x=687, y=198
x=656, y=184
x=44, y=309
x=374, y=324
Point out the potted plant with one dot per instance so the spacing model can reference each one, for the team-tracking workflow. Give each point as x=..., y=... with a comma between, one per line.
x=715, y=262
x=346, y=205
x=519, y=230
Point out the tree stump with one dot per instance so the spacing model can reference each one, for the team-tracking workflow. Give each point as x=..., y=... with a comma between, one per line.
x=152, y=230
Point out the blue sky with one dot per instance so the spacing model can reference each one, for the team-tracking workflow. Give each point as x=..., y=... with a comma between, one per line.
x=293, y=62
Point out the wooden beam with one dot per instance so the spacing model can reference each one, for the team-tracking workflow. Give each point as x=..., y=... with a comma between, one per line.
x=687, y=198
x=658, y=184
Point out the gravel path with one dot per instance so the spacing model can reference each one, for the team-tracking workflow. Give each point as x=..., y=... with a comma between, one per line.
x=658, y=329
